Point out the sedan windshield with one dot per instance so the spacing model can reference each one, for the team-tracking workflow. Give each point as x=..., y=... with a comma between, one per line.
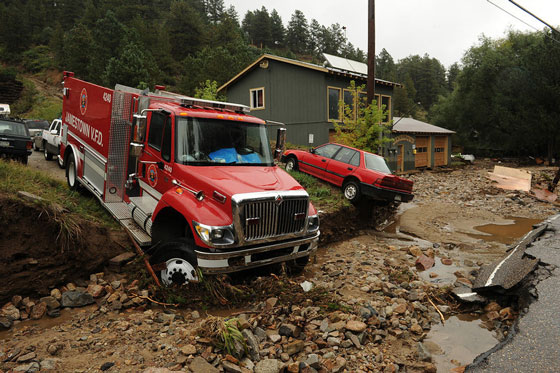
x=13, y=128
x=376, y=163
x=203, y=141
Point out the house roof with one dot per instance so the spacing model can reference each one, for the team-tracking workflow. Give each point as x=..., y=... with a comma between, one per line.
x=355, y=70
x=401, y=124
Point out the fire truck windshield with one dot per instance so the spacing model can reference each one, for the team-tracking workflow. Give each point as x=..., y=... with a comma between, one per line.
x=203, y=141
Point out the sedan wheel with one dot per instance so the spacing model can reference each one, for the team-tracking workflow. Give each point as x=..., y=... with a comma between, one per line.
x=351, y=191
x=291, y=164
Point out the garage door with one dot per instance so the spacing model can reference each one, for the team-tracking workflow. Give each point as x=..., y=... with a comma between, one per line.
x=422, y=149
x=440, y=151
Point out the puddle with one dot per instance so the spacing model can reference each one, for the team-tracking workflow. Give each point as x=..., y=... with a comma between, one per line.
x=445, y=273
x=505, y=233
x=459, y=341
x=46, y=322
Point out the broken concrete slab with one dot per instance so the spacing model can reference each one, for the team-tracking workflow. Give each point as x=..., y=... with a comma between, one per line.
x=506, y=273
x=511, y=178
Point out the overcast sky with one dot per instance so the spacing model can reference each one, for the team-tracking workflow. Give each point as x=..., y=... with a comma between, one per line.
x=444, y=29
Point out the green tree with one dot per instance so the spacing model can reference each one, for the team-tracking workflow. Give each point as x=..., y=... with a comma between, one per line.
x=73, y=56
x=277, y=30
x=297, y=34
x=132, y=67
x=208, y=90
x=362, y=125
x=385, y=67
x=186, y=29
x=258, y=26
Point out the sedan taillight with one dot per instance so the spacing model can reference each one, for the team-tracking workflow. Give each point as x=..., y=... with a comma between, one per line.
x=29, y=145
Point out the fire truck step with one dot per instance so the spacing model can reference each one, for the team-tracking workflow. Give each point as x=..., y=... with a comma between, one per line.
x=139, y=235
x=118, y=209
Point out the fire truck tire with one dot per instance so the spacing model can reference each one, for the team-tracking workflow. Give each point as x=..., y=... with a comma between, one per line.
x=71, y=173
x=297, y=266
x=292, y=164
x=48, y=156
x=180, y=263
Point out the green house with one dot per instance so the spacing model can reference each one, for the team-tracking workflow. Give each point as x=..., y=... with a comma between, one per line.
x=302, y=96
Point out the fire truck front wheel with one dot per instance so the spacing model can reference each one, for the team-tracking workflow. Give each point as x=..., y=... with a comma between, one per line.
x=177, y=262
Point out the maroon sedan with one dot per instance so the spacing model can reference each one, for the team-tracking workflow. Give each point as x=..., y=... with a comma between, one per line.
x=359, y=173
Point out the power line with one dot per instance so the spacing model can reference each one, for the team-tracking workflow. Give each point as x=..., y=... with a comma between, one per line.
x=522, y=21
x=534, y=16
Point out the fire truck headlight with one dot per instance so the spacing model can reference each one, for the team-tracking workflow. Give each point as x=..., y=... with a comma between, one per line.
x=313, y=223
x=215, y=236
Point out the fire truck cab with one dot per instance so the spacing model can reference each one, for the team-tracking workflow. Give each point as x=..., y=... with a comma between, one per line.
x=193, y=181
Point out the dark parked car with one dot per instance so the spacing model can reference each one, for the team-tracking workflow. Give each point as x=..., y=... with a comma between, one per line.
x=359, y=173
x=15, y=142
x=36, y=127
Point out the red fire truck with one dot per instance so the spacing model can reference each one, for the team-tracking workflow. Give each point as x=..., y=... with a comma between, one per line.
x=193, y=181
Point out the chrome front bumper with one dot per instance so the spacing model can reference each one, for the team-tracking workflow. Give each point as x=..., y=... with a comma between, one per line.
x=238, y=260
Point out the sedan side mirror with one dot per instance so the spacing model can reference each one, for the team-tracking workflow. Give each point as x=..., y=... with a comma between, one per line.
x=311, y=150
x=54, y=132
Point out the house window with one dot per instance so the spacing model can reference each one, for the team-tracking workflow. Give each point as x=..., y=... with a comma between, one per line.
x=257, y=98
x=334, y=98
x=349, y=101
x=386, y=102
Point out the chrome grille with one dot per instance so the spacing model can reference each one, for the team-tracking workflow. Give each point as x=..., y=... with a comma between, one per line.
x=265, y=218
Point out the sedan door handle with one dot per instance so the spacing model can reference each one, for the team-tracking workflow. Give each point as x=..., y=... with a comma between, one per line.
x=323, y=160
x=350, y=168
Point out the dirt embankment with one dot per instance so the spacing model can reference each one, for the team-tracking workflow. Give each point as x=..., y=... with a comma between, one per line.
x=41, y=247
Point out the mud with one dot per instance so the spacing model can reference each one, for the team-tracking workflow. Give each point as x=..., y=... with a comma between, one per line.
x=36, y=253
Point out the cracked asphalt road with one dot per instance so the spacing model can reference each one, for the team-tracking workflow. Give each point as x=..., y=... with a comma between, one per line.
x=535, y=347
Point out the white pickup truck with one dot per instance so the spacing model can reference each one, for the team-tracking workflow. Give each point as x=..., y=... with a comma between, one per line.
x=51, y=141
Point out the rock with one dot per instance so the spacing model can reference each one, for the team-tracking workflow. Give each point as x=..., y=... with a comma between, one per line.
x=446, y=261
x=433, y=275
x=289, y=330
x=31, y=367
x=293, y=368
x=444, y=308
x=294, y=347
x=313, y=361
x=423, y=353
x=332, y=341
x=49, y=364
x=16, y=300
x=38, y=311
x=493, y=315
x=188, y=350
x=252, y=344
x=5, y=322
x=54, y=349
x=355, y=326
x=160, y=370
x=116, y=296
x=400, y=309
x=506, y=314
x=195, y=315
x=260, y=334
x=248, y=364
x=433, y=348
x=492, y=306
x=27, y=357
x=199, y=365
x=339, y=364
x=10, y=311
x=120, y=260
x=274, y=337
x=115, y=284
x=106, y=366
x=464, y=281
x=284, y=357
x=271, y=303
x=54, y=313
x=96, y=291
x=424, y=262
x=52, y=302
x=231, y=367
x=268, y=366
x=415, y=251
x=416, y=329
x=74, y=298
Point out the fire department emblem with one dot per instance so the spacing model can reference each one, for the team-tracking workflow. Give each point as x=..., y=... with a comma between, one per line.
x=278, y=200
x=152, y=175
x=83, y=101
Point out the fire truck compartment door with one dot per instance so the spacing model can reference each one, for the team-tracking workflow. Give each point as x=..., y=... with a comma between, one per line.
x=94, y=171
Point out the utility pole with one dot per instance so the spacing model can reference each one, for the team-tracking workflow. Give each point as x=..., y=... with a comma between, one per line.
x=371, y=52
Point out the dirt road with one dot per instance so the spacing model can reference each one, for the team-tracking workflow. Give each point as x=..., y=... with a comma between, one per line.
x=51, y=168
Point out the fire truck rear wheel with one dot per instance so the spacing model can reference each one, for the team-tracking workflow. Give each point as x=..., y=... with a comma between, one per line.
x=180, y=263
x=71, y=174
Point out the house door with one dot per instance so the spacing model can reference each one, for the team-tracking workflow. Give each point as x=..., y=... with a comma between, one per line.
x=400, y=158
x=422, y=147
x=440, y=151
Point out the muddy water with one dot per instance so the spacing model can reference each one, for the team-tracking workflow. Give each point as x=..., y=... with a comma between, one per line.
x=459, y=341
x=505, y=233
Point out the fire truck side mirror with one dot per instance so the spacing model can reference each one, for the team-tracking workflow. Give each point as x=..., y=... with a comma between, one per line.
x=138, y=128
x=280, y=142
